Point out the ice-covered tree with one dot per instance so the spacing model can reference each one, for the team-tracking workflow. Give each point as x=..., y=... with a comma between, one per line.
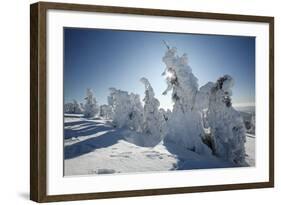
x=127, y=109
x=166, y=113
x=82, y=107
x=185, y=123
x=249, y=121
x=136, y=115
x=119, y=100
x=106, y=111
x=253, y=124
x=91, y=108
x=77, y=109
x=73, y=108
x=154, y=121
x=227, y=126
x=202, y=97
x=68, y=108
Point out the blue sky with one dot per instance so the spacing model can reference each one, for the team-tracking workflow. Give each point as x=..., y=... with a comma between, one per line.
x=100, y=59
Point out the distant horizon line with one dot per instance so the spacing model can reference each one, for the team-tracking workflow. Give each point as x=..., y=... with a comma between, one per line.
x=247, y=104
x=237, y=105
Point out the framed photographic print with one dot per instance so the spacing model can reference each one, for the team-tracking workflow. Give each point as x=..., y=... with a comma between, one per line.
x=134, y=102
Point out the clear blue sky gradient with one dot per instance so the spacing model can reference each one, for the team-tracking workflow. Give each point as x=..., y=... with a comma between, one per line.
x=100, y=59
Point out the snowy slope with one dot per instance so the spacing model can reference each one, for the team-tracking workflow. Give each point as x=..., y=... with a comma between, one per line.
x=96, y=147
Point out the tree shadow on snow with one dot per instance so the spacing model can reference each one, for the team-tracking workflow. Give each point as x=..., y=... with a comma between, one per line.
x=188, y=159
x=109, y=138
x=140, y=139
x=83, y=128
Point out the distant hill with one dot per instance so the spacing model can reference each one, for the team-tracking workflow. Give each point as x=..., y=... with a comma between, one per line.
x=248, y=112
x=247, y=109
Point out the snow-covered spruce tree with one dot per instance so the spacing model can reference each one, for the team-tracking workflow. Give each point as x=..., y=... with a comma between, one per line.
x=227, y=126
x=91, y=108
x=154, y=121
x=119, y=101
x=82, y=107
x=185, y=123
x=166, y=114
x=68, y=108
x=203, y=96
x=106, y=112
x=77, y=108
x=72, y=108
x=202, y=104
x=252, y=130
x=136, y=114
x=127, y=109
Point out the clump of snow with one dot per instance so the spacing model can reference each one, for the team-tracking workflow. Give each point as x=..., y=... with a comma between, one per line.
x=203, y=96
x=105, y=171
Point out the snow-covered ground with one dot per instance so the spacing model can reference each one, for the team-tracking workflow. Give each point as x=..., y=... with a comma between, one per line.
x=97, y=147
